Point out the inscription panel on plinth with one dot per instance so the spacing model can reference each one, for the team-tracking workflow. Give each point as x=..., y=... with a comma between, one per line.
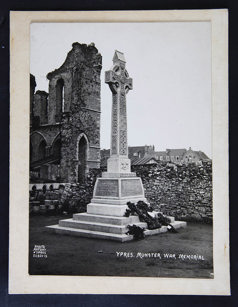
x=131, y=187
x=107, y=188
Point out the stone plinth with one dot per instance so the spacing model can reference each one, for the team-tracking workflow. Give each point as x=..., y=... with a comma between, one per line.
x=118, y=191
x=111, y=195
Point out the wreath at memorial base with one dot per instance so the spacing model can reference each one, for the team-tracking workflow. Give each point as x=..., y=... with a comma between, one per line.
x=142, y=211
x=136, y=231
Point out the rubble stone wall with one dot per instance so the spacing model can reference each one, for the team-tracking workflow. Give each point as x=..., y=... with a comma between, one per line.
x=184, y=192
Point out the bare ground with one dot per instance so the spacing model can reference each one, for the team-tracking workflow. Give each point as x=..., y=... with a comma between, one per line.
x=68, y=255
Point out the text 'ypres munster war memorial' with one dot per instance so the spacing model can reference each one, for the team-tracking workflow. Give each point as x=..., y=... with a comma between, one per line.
x=118, y=194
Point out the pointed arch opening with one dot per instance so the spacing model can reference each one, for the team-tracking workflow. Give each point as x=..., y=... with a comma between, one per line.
x=42, y=150
x=56, y=149
x=82, y=158
x=59, y=100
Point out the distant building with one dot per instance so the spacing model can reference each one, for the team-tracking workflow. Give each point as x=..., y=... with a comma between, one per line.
x=143, y=161
x=141, y=151
x=192, y=156
x=171, y=155
x=182, y=156
x=139, y=155
x=142, y=155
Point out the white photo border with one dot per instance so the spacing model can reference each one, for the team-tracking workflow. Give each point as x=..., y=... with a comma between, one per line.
x=20, y=282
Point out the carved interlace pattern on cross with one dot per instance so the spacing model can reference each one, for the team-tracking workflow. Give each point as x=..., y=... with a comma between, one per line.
x=114, y=126
x=123, y=142
x=120, y=83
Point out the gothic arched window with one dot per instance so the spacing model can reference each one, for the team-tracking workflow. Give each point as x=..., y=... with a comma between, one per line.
x=42, y=150
x=59, y=100
x=57, y=149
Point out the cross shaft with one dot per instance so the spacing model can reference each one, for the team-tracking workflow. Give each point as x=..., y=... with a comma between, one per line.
x=120, y=83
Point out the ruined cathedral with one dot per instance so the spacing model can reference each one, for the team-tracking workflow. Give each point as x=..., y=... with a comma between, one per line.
x=65, y=123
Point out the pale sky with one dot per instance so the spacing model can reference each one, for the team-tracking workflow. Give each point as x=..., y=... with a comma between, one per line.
x=169, y=62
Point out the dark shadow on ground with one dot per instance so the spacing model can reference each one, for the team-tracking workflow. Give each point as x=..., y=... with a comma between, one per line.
x=68, y=255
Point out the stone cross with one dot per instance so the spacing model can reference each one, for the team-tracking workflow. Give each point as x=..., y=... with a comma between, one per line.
x=120, y=83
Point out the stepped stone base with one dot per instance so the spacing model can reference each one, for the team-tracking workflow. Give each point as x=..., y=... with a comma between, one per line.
x=106, y=209
x=105, y=227
x=90, y=234
x=105, y=214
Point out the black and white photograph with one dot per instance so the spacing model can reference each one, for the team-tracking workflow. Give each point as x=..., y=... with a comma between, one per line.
x=121, y=150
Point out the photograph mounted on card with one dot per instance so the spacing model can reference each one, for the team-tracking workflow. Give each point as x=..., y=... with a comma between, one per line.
x=120, y=120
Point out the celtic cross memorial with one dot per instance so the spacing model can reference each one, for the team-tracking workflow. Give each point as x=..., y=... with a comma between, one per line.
x=120, y=83
x=105, y=217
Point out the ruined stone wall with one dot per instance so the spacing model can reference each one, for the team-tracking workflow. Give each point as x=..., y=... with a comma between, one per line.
x=81, y=113
x=70, y=111
x=32, y=91
x=54, y=109
x=49, y=134
x=86, y=106
x=41, y=106
x=181, y=191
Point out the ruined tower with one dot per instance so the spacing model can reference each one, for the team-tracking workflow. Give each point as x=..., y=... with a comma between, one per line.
x=70, y=118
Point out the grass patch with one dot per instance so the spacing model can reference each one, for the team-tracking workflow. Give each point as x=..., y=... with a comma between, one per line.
x=68, y=255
